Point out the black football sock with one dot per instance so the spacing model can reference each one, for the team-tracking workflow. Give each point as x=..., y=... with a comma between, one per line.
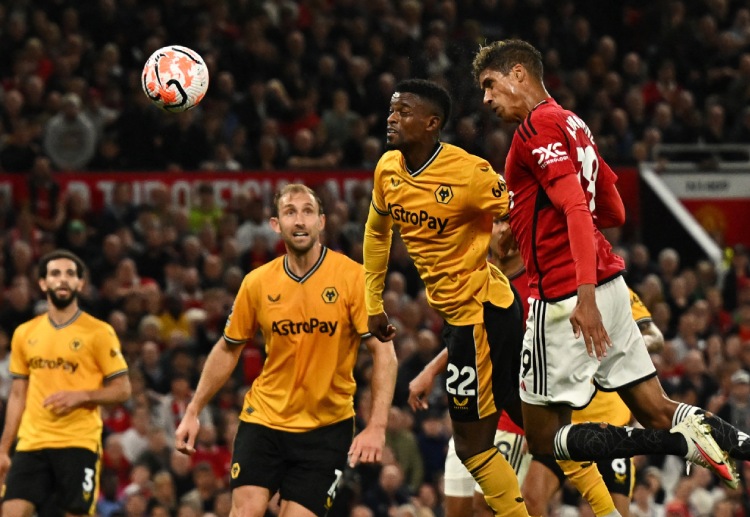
x=594, y=441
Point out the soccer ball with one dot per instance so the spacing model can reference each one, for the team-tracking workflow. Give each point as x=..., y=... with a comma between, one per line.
x=175, y=78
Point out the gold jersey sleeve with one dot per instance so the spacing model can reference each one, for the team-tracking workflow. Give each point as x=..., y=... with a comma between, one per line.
x=444, y=212
x=609, y=407
x=641, y=313
x=312, y=327
x=79, y=355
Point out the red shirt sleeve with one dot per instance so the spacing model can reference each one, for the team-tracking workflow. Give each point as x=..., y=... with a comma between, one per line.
x=566, y=195
x=610, y=210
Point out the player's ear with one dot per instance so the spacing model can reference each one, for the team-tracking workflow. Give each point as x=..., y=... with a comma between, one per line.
x=274, y=222
x=518, y=72
x=434, y=123
x=322, y=222
x=43, y=285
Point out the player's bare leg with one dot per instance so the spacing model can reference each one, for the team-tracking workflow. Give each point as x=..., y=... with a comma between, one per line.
x=249, y=501
x=17, y=508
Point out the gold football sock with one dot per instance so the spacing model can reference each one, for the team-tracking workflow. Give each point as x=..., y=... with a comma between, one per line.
x=587, y=479
x=499, y=483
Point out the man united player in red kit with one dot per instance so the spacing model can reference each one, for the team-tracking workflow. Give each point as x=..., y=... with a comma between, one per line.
x=580, y=334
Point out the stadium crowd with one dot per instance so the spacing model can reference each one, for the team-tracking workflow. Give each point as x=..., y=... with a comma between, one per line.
x=306, y=85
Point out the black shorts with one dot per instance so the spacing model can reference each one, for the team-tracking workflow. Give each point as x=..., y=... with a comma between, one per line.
x=618, y=475
x=70, y=476
x=304, y=467
x=484, y=363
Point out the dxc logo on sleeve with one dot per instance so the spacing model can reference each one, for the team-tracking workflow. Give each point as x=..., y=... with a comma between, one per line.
x=550, y=154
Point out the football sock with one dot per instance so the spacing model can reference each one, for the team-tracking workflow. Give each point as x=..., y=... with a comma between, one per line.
x=587, y=479
x=734, y=441
x=581, y=442
x=499, y=483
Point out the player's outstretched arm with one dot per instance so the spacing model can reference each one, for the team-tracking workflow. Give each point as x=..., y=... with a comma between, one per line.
x=421, y=386
x=367, y=446
x=14, y=411
x=219, y=366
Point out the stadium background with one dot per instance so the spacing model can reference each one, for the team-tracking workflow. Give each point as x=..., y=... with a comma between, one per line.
x=168, y=210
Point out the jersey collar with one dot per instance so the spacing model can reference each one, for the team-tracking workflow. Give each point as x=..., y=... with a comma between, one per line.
x=301, y=279
x=66, y=323
x=438, y=148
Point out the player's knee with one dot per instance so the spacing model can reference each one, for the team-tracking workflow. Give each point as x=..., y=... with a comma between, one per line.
x=657, y=414
x=541, y=445
x=247, y=507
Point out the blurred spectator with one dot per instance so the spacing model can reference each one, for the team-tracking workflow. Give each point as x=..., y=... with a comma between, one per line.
x=185, y=145
x=19, y=150
x=205, y=209
x=403, y=442
x=44, y=196
x=135, y=439
x=164, y=494
x=120, y=211
x=339, y=118
x=738, y=273
x=389, y=493
x=174, y=403
x=19, y=307
x=108, y=503
x=254, y=224
x=206, y=489
x=70, y=137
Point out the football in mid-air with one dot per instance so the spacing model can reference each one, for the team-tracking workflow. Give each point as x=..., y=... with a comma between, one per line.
x=175, y=78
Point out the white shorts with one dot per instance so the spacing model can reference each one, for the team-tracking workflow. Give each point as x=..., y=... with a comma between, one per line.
x=555, y=366
x=460, y=483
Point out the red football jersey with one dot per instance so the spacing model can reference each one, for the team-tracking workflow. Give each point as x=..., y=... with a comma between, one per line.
x=550, y=143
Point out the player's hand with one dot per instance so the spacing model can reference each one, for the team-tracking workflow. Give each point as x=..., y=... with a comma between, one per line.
x=420, y=388
x=367, y=446
x=186, y=433
x=380, y=327
x=587, y=322
x=502, y=242
x=64, y=402
x=4, y=467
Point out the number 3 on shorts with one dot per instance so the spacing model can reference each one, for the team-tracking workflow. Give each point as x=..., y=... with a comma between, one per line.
x=88, y=480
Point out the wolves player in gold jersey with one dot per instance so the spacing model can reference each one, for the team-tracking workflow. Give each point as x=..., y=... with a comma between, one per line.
x=444, y=200
x=297, y=421
x=64, y=363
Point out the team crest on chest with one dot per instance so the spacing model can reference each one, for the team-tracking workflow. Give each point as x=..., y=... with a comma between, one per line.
x=76, y=345
x=444, y=194
x=330, y=295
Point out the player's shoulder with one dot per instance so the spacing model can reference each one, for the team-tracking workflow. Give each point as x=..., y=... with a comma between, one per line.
x=389, y=160
x=29, y=325
x=455, y=152
x=548, y=117
x=261, y=273
x=461, y=159
x=94, y=324
x=343, y=263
